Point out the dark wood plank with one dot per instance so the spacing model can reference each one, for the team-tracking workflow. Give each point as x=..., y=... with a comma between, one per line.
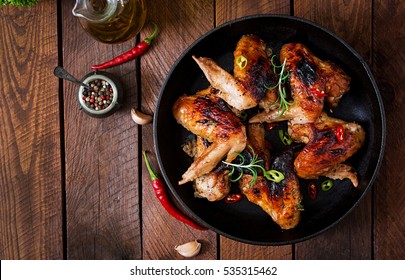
x=350, y=20
x=101, y=156
x=181, y=23
x=233, y=250
x=350, y=239
x=30, y=155
x=388, y=66
x=227, y=10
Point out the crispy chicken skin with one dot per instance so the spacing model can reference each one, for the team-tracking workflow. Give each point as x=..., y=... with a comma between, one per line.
x=255, y=138
x=316, y=73
x=212, y=90
x=337, y=82
x=309, y=79
x=247, y=86
x=210, y=118
x=258, y=72
x=230, y=89
x=323, y=154
x=303, y=77
x=214, y=185
x=282, y=201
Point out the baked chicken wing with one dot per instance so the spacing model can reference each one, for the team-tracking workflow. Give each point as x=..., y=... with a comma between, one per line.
x=311, y=80
x=252, y=73
x=214, y=185
x=252, y=67
x=209, y=117
x=229, y=88
x=329, y=143
x=282, y=200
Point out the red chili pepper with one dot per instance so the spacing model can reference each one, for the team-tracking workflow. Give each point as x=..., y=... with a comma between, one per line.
x=269, y=126
x=232, y=198
x=340, y=132
x=318, y=92
x=161, y=194
x=136, y=51
x=312, y=191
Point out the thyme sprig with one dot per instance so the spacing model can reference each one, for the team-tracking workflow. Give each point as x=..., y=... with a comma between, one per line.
x=282, y=75
x=253, y=167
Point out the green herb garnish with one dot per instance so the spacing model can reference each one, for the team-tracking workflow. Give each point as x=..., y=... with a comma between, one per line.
x=18, y=2
x=299, y=207
x=253, y=166
x=282, y=95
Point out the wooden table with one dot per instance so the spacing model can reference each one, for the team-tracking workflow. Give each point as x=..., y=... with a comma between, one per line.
x=75, y=187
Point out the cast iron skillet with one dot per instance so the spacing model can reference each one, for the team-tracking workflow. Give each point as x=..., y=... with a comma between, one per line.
x=244, y=221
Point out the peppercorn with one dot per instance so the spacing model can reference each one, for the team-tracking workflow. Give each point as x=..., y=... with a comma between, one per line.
x=103, y=96
x=98, y=98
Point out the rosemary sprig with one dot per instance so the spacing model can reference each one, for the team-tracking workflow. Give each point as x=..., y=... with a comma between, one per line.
x=253, y=167
x=282, y=95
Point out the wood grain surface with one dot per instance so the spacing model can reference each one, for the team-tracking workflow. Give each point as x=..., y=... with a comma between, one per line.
x=181, y=24
x=30, y=166
x=102, y=202
x=76, y=187
x=388, y=66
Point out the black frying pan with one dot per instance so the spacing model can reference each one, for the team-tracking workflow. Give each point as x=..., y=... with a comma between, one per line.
x=244, y=221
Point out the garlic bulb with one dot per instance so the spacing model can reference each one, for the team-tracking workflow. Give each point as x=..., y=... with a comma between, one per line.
x=189, y=249
x=140, y=118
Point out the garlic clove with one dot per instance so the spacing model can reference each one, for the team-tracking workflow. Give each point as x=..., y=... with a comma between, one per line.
x=189, y=249
x=139, y=117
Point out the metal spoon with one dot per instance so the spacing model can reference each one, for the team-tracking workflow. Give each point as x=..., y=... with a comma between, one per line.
x=63, y=74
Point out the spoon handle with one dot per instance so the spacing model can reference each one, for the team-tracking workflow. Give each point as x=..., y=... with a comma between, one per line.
x=63, y=74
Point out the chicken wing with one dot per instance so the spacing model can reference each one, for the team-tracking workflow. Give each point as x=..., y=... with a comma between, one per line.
x=214, y=185
x=337, y=82
x=210, y=118
x=310, y=81
x=324, y=153
x=247, y=86
x=256, y=75
x=282, y=201
x=319, y=75
x=230, y=89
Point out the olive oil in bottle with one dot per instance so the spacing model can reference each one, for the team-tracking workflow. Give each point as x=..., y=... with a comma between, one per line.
x=111, y=21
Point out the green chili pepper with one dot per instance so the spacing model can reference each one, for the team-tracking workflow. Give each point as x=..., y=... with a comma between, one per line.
x=284, y=137
x=274, y=175
x=241, y=61
x=327, y=185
